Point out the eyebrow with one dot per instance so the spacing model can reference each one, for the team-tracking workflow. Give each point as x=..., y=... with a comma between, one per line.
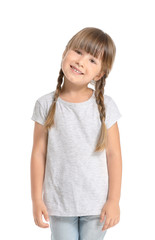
x=82, y=50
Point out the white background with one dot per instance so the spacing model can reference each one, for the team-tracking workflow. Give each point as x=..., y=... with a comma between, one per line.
x=33, y=37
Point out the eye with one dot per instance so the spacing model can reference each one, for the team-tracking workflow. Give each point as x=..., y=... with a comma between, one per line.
x=77, y=51
x=92, y=60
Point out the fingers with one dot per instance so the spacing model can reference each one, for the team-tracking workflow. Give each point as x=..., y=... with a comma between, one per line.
x=40, y=209
x=39, y=222
x=45, y=213
x=102, y=216
x=106, y=224
x=110, y=223
x=116, y=221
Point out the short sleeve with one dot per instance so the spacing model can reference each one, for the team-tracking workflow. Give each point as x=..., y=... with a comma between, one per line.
x=112, y=113
x=38, y=113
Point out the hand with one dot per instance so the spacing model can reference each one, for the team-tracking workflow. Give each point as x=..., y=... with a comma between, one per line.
x=112, y=211
x=39, y=208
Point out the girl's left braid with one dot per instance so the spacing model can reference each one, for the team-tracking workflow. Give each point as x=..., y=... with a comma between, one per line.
x=99, y=94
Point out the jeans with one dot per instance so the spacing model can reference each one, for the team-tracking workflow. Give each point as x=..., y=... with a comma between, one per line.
x=77, y=228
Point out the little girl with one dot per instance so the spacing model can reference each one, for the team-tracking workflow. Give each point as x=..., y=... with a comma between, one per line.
x=76, y=155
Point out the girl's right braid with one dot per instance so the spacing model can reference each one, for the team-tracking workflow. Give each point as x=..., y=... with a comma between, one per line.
x=50, y=117
x=58, y=87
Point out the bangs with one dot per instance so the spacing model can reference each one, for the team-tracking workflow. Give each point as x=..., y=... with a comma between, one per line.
x=93, y=42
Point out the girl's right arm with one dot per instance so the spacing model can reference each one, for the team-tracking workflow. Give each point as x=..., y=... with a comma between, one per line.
x=38, y=161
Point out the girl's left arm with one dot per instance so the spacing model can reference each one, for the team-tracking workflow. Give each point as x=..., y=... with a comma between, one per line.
x=114, y=162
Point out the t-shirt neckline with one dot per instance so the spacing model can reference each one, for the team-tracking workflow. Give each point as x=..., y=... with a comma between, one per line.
x=77, y=104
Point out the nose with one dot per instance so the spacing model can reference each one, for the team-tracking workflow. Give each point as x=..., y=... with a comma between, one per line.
x=80, y=61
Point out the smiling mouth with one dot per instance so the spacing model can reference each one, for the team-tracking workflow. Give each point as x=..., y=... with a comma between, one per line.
x=76, y=70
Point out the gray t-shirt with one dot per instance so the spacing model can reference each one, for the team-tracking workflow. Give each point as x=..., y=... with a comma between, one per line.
x=76, y=178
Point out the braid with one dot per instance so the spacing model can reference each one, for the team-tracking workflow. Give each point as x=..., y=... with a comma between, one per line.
x=50, y=117
x=99, y=94
x=58, y=87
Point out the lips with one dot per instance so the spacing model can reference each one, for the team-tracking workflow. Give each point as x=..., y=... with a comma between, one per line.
x=76, y=69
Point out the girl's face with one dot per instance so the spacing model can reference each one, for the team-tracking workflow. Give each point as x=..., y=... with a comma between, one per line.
x=80, y=67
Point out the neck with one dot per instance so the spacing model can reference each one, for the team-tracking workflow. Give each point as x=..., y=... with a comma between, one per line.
x=72, y=89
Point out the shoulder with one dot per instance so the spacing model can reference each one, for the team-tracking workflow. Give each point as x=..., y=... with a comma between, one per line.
x=108, y=101
x=43, y=103
x=46, y=98
x=112, y=111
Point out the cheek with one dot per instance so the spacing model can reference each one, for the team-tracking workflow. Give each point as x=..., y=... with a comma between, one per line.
x=66, y=60
x=64, y=63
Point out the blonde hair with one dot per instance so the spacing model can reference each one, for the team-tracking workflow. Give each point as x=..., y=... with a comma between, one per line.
x=99, y=44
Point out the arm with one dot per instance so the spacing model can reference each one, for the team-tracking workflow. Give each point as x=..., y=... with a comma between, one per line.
x=38, y=158
x=114, y=162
